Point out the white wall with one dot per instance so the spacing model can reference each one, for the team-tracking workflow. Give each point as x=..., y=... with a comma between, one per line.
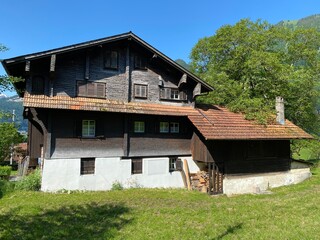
x=257, y=183
x=61, y=174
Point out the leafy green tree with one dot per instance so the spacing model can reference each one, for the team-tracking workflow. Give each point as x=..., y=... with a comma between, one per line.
x=8, y=136
x=5, y=81
x=251, y=63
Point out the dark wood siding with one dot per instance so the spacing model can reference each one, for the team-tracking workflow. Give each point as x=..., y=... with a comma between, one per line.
x=35, y=141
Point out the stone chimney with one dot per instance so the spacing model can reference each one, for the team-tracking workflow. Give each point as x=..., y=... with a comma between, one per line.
x=280, y=110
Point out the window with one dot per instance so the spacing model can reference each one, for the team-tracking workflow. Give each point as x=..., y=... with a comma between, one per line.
x=175, y=164
x=37, y=85
x=175, y=94
x=140, y=91
x=87, y=166
x=138, y=127
x=172, y=94
x=174, y=127
x=111, y=59
x=88, y=128
x=91, y=89
x=140, y=62
x=136, y=165
x=164, y=127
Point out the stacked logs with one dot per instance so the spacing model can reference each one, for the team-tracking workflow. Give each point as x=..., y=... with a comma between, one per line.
x=200, y=181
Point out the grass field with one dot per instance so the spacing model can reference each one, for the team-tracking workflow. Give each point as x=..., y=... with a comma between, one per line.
x=289, y=213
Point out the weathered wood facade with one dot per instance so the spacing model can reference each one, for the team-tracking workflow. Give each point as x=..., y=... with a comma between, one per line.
x=119, y=103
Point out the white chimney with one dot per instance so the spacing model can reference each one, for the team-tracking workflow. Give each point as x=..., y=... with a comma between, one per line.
x=280, y=110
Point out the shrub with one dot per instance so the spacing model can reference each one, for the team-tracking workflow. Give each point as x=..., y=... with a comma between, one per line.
x=117, y=186
x=5, y=172
x=31, y=182
x=5, y=187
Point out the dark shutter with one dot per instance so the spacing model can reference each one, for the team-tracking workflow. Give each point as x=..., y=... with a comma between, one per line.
x=114, y=60
x=136, y=165
x=99, y=128
x=87, y=165
x=91, y=89
x=37, y=85
x=179, y=165
x=78, y=128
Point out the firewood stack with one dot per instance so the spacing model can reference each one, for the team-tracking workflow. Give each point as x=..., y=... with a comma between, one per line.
x=200, y=181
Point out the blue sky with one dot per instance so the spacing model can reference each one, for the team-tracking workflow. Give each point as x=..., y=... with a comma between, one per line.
x=173, y=27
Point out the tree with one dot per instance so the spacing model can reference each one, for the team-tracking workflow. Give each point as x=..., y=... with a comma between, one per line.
x=8, y=137
x=251, y=63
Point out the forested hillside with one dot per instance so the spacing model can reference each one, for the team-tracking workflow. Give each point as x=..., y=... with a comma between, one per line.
x=7, y=105
x=312, y=21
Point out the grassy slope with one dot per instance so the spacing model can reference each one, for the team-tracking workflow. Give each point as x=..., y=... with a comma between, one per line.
x=290, y=213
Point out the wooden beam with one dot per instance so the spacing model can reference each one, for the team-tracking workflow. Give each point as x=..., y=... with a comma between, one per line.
x=52, y=63
x=183, y=80
x=27, y=67
x=197, y=90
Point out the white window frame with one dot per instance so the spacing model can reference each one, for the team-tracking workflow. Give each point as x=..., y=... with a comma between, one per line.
x=139, y=127
x=88, y=128
x=175, y=94
x=174, y=127
x=164, y=127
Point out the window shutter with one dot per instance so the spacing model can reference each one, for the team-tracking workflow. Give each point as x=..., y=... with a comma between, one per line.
x=99, y=128
x=101, y=90
x=114, y=59
x=143, y=92
x=167, y=93
x=81, y=88
x=183, y=95
x=78, y=128
x=91, y=89
x=137, y=91
x=162, y=93
x=179, y=165
x=136, y=165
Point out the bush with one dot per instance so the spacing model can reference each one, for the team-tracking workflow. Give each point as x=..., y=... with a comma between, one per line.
x=5, y=172
x=5, y=187
x=117, y=186
x=31, y=182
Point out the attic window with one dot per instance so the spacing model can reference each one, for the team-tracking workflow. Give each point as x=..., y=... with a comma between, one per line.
x=37, y=85
x=91, y=89
x=140, y=62
x=172, y=94
x=140, y=91
x=111, y=59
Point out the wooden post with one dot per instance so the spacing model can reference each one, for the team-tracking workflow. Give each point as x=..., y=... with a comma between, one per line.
x=186, y=169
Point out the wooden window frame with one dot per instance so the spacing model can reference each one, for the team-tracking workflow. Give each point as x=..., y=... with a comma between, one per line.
x=91, y=89
x=139, y=127
x=138, y=90
x=87, y=166
x=136, y=166
x=175, y=164
x=108, y=59
x=86, y=128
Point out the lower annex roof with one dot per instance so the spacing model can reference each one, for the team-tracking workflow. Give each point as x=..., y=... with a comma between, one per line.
x=213, y=122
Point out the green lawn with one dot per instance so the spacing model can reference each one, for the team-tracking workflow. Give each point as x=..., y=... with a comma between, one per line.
x=289, y=213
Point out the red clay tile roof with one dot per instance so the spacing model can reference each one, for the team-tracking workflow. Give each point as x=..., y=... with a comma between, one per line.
x=214, y=123
x=217, y=123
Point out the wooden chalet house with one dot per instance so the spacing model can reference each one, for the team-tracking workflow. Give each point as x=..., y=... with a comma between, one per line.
x=117, y=109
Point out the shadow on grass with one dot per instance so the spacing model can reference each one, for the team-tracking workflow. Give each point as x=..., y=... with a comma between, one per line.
x=230, y=230
x=91, y=221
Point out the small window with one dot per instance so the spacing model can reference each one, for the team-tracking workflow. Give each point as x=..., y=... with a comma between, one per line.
x=87, y=166
x=138, y=127
x=174, y=127
x=88, y=128
x=140, y=62
x=136, y=165
x=175, y=164
x=37, y=85
x=111, y=59
x=175, y=94
x=140, y=91
x=164, y=127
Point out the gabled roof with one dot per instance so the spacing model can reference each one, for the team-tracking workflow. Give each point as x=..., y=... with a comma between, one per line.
x=214, y=123
x=218, y=123
x=125, y=36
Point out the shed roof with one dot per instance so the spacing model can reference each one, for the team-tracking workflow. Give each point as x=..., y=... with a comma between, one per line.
x=213, y=122
x=218, y=123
